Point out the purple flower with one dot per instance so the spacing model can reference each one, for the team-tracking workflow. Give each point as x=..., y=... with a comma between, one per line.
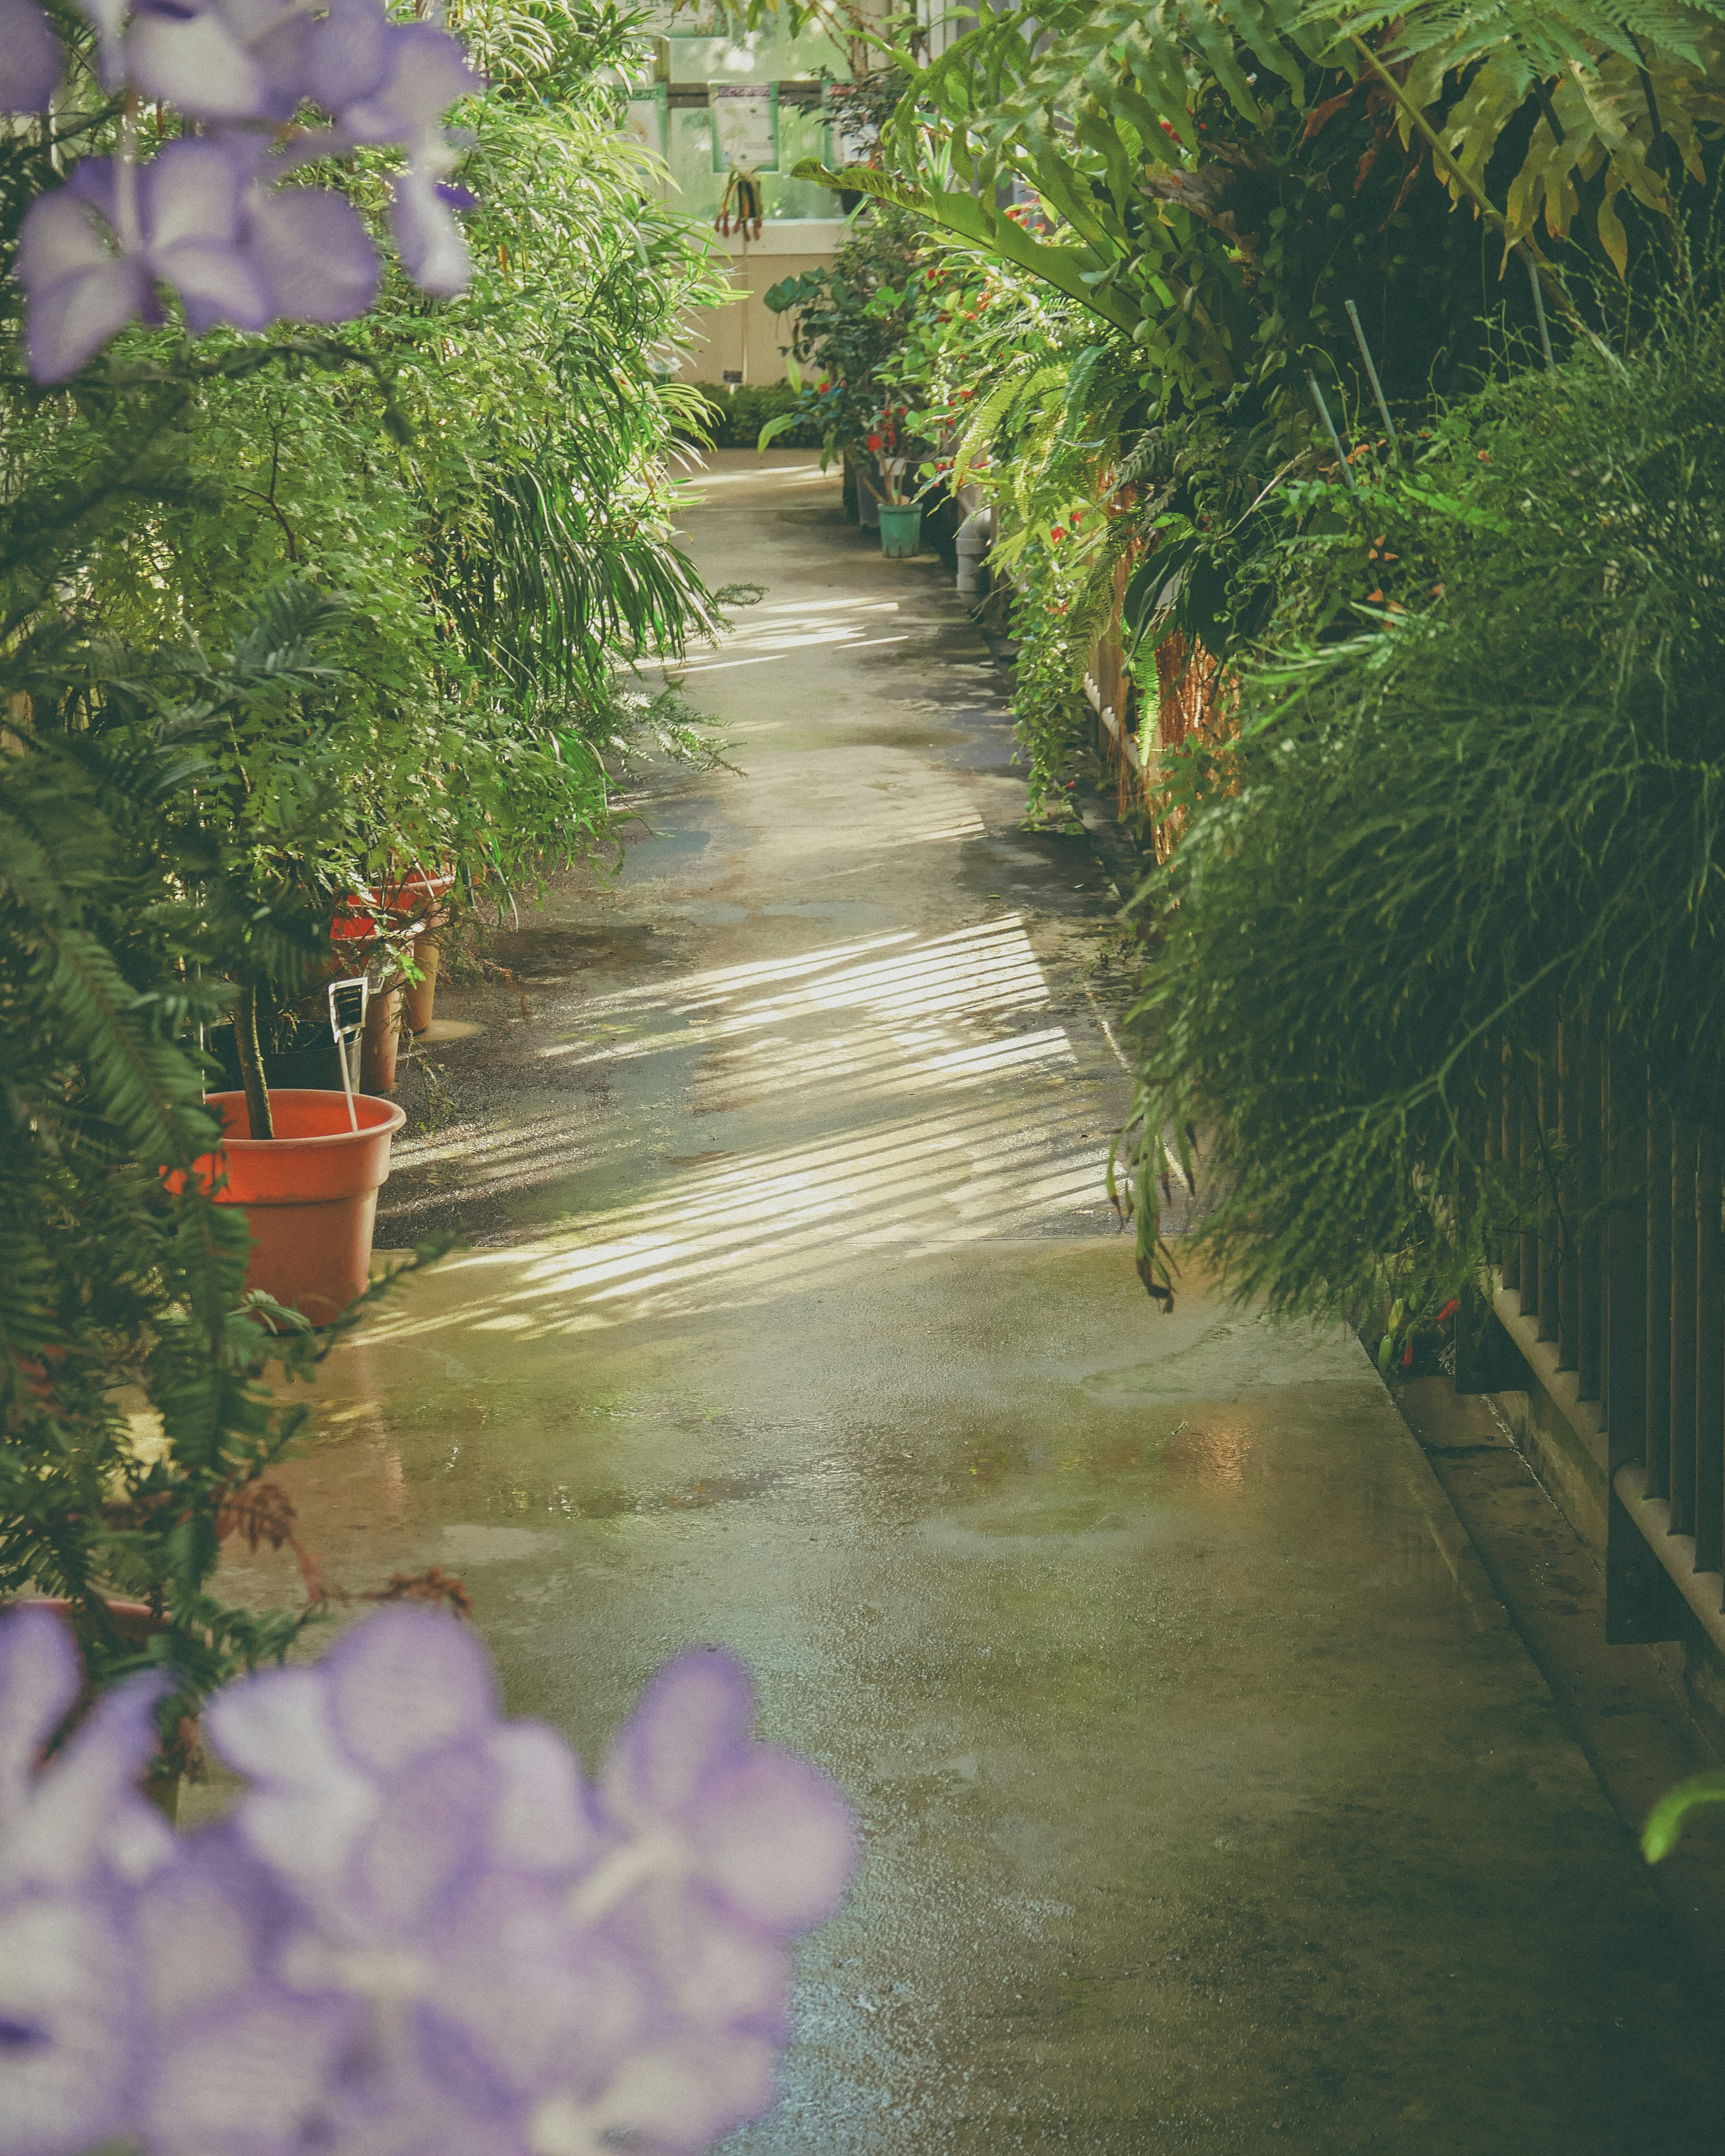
x=31, y=60
x=556, y=1967
x=312, y=249
x=384, y=1780
x=419, y=1933
x=239, y=2061
x=76, y=1840
x=228, y=59
x=763, y=1831
x=427, y=72
x=90, y=256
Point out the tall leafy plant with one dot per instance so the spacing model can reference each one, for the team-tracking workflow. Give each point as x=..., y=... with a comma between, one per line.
x=279, y=609
x=1491, y=792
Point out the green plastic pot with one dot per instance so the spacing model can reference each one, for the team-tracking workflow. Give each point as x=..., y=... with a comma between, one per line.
x=900, y=529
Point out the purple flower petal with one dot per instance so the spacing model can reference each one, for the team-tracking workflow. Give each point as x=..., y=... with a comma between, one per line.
x=196, y=62
x=66, y=2016
x=408, y=1683
x=191, y=201
x=694, y=1718
x=708, y=1971
x=433, y=251
x=239, y=2063
x=309, y=1804
x=681, y=2095
x=776, y=1838
x=74, y=1838
x=428, y=71
x=349, y=57
x=521, y=2002
x=84, y=1812
x=315, y=255
x=251, y=2076
x=31, y=61
x=545, y=1820
x=39, y=1678
x=80, y=294
x=423, y=1844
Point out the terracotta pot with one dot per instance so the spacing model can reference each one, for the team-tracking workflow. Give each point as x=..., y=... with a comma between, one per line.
x=418, y=893
x=421, y=997
x=380, y=1042
x=310, y=1192
x=364, y=915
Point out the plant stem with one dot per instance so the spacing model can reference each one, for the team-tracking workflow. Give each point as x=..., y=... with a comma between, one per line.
x=260, y=1121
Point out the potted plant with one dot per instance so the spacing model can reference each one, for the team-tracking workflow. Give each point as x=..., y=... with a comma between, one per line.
x=900, y=510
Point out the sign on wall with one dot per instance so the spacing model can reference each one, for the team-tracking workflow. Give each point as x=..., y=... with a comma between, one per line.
x=647, y=119
x=745, y=117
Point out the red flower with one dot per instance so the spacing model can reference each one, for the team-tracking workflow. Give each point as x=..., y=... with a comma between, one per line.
x=1057, y=533
x=874, y=441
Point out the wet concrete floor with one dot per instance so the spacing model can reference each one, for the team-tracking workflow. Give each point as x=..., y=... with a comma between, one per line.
x=1211, y=1802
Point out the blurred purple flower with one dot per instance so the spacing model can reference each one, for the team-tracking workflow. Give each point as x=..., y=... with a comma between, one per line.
x=31, y=61
x=75, y=1841
x=312, y=249
x=89, y=259
x=565, y=1969
x=239, y=2061
x=224, y=59
x=427, y=72
x=419, y=1933
x=383, y=1778
x=763, y=1831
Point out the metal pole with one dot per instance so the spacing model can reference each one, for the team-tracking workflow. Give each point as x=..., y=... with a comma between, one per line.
x=1365, y=354
x=1539, y=310
x=1323, y=413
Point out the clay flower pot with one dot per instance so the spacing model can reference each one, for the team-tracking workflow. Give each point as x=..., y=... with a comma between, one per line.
x=380, y=1043
x=420, y=997
x=310, y=1193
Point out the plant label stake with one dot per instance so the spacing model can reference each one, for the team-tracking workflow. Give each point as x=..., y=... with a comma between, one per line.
x=1365, y=354
x=1323, y=413
x=347, y=1018
x=1539, y=310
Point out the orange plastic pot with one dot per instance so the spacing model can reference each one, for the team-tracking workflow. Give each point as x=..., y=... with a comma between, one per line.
x=310, y=1193
x=380, y=1043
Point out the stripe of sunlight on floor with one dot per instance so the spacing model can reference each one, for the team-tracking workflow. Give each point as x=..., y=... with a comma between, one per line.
x=1003, y=1145
x=753, y=638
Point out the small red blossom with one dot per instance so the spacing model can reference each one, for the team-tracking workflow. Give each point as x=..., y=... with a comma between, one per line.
x=874, y=441
x=1057, y=532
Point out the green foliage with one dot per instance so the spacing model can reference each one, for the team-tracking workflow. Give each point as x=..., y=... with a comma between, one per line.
x=1152, y=134
x=733, y=418
x=278, y=616
x=851, y=318
x=134, y=1420
x=1668, y=1817
x=1480, y=775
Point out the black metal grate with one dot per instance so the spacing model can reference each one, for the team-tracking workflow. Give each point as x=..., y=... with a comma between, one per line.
x=1621, y=1263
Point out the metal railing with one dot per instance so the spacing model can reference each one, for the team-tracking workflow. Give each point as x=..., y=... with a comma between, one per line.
x=1619, y=1267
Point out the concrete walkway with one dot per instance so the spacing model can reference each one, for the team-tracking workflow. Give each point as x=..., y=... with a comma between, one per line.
x=1212, y=1804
